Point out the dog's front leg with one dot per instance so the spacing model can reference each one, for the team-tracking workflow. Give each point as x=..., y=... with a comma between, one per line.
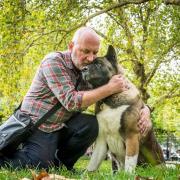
x=98, y=155
x=132, y=151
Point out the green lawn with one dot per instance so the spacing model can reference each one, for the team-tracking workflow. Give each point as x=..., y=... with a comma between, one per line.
x=104, y=173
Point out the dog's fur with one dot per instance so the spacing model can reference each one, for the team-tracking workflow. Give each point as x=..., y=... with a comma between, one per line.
x=118, y=116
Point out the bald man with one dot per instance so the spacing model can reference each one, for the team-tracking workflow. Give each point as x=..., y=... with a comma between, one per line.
x=67, y=133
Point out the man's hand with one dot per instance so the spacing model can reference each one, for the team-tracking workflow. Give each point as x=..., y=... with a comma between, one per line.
x=145, y=123
x=118, y=84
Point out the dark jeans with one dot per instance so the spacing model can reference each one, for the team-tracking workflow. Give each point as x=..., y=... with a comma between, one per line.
x=66, y=145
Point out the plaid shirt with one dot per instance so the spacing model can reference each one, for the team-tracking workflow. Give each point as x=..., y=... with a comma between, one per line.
x=55, y=80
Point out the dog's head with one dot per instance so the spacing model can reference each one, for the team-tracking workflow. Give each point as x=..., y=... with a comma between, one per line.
x=100, y=71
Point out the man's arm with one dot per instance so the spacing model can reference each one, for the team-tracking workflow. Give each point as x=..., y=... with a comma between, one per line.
x=61, y=85
x=115, y=85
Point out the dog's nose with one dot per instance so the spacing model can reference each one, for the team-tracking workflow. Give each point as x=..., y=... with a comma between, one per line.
x=84, y=69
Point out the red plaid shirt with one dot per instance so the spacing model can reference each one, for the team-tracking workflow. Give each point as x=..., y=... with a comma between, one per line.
x=55, y=80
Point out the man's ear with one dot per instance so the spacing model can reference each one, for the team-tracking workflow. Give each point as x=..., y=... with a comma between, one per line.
x=111, y=55
x=70, y=46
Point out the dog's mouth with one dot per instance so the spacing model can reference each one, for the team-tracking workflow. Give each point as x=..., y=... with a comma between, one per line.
x=85, y=77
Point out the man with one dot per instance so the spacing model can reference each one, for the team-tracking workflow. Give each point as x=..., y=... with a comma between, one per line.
x=66, y=134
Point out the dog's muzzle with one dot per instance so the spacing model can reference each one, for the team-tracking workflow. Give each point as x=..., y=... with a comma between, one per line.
x=85, y=73
x=84, y=69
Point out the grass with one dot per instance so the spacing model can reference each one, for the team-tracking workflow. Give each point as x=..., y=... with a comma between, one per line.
x=104, y=173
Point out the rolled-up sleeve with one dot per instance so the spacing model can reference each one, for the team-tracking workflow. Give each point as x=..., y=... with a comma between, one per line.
x=61, y=84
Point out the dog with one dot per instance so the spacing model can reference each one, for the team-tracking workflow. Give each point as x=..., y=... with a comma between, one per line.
x=117, y=117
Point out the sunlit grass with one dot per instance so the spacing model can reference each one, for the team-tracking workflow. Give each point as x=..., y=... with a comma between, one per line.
x=104, y=173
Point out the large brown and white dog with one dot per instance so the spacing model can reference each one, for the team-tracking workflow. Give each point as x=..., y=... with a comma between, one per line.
x=118, y=116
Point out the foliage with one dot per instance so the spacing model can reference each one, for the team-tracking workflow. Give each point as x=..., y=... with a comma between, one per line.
x=144, y=33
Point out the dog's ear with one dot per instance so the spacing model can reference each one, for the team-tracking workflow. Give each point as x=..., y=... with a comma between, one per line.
x=111, y=57
x=111, y=54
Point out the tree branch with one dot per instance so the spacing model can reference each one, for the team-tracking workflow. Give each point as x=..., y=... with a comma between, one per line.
x=145, y=23
x=158, y=62
x=172, y=2
x=168, y=95
x=114, y=6
x=36, y=39
x=109, y=40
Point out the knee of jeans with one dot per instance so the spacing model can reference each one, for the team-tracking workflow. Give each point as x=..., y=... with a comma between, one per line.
x=94, y=128
x=90, y=130
x=42, y=159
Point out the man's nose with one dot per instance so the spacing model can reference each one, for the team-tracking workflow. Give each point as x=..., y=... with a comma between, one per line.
x=91, y=57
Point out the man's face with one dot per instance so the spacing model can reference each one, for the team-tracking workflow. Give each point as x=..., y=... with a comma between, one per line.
x=84, y=52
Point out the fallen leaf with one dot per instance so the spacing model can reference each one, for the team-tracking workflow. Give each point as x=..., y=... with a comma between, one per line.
x=43, y=175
